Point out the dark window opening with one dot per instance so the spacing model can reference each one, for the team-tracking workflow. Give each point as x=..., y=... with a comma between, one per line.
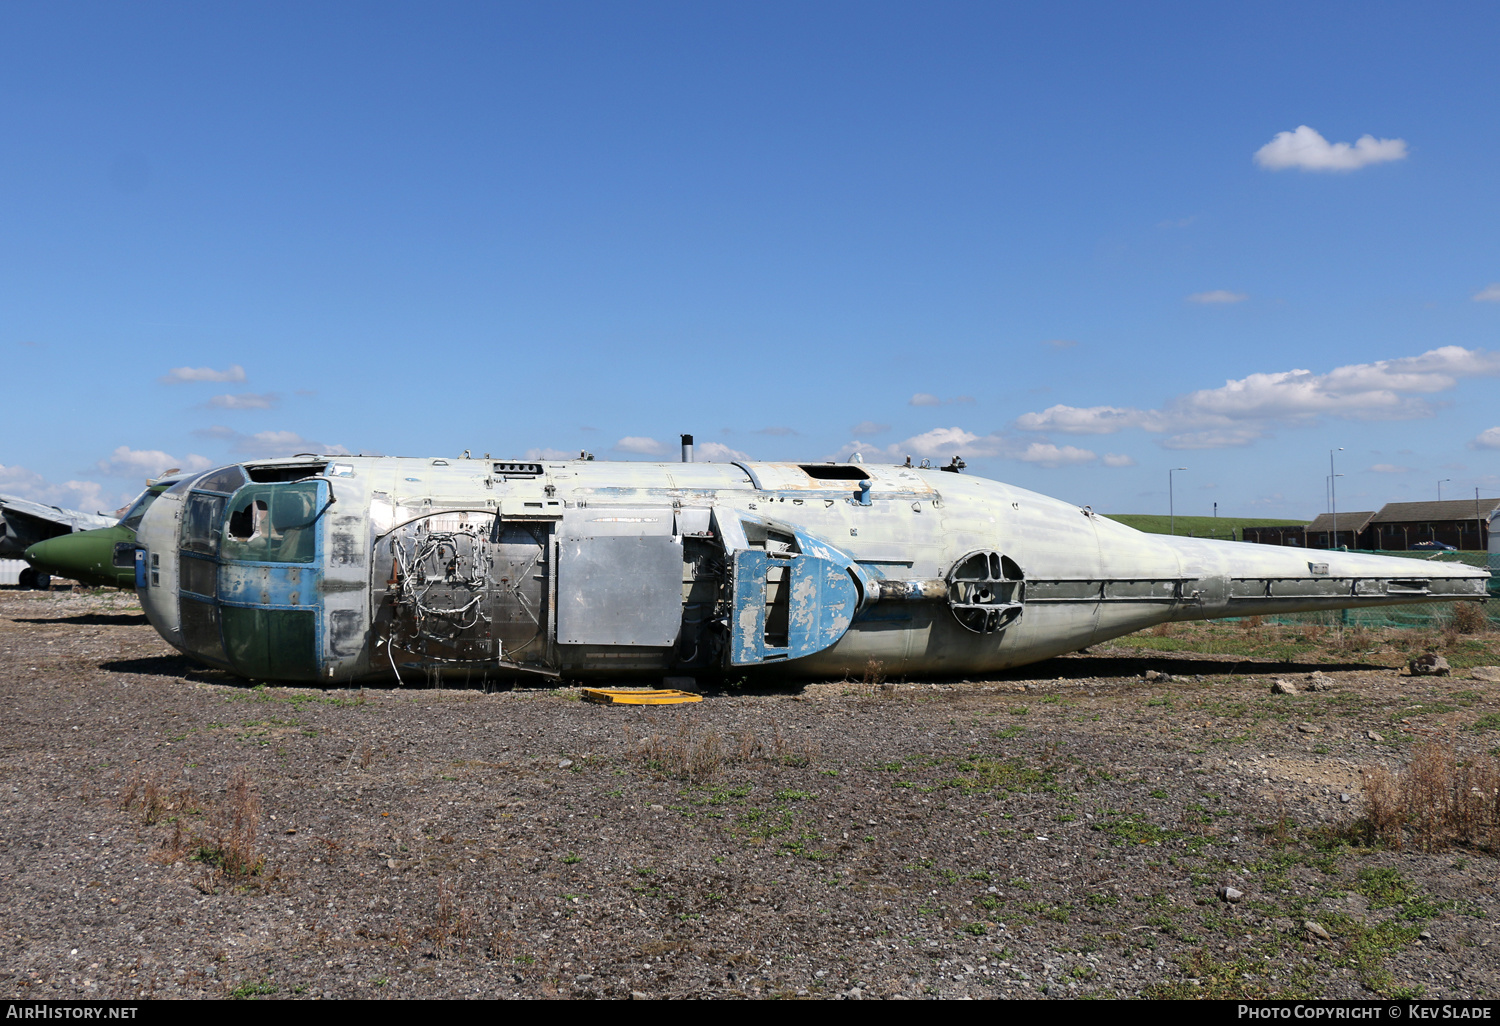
x=275, y=475
x=835, y=471
x=249, y=521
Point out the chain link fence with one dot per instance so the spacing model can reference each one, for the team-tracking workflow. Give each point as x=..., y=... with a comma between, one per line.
x=1426, y=615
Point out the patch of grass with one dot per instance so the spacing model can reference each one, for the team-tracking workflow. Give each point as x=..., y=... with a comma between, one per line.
x=1056, y=913
x=1133, y=829
x=1010, y=775
x=252, y=989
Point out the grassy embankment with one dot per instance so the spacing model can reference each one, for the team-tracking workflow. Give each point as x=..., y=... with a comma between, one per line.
x=1227, y=528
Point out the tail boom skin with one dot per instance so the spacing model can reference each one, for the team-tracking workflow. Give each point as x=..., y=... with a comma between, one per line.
x=341, y=569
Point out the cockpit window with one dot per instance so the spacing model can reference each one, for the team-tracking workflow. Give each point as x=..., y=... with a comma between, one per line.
x=226, y=480
x=272, y=523
x=137, y=510
x=200, y=521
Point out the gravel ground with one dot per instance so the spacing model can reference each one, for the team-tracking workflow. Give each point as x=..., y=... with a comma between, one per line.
x=1063, y=832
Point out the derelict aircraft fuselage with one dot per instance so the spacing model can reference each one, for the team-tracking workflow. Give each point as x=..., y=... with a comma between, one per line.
x=352, y=568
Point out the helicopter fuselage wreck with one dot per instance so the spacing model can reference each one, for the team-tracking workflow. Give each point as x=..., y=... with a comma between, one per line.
x=349, y=568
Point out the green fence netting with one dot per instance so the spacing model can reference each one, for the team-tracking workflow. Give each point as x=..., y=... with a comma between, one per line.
x=1417, y=614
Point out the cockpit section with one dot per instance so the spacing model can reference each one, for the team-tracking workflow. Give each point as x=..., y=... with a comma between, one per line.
x=243, y=553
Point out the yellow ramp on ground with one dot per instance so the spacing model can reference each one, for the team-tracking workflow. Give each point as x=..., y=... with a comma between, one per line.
x=639, y=696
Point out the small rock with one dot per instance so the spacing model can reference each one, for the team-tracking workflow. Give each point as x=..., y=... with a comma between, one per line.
x=1316, y=930
x=1309, y=728
x=1374, y=736
x=1346, y=798
x=1319, y=681
x=852, y=994
x=1229, y=894
x=638, y=995
x=658, y=808
x=1283, y=687
x=1490, y=673
x=564, y=763
x=1429, y=665
x=1425, y=935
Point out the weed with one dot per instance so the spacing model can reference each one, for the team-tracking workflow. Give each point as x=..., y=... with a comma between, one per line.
x=1467, y=618
x=1436, y=800
x=697, y=754
x=154, y=799
x=229, y=845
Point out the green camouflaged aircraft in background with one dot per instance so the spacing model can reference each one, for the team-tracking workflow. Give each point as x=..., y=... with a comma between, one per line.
x=103, y=557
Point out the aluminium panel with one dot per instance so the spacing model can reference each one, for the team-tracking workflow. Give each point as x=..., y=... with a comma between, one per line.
x=620, y=590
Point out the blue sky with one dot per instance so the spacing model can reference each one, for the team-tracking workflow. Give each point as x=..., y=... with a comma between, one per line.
x=1075, y=244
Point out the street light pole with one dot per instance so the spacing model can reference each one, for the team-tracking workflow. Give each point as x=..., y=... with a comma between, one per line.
x=1172, y=500
x=1440, y=488
x=1333, y=496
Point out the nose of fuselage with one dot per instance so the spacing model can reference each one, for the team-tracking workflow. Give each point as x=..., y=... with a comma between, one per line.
x=236, y=578
x=85, y=556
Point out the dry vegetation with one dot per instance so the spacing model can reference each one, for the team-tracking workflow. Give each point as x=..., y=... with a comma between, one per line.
x=1065, y=831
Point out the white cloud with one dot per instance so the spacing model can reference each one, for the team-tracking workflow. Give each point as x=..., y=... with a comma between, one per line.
x=143, y=463
x=283, y=443
x=1488, y=294
x=1217, y=296
x=244, y=401
x=925, y=399
x=269, y=443
x=1487, y=439
x=1091, y=420
x=86, y=496
x=1243, y=410
x=940, y=444
x=717, y=452
x=1118, y=459
x=1048, y=455
x=640, y=446
x=1307, y=150
x=182, y=375
x=868, y=427
x=1212, y=439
